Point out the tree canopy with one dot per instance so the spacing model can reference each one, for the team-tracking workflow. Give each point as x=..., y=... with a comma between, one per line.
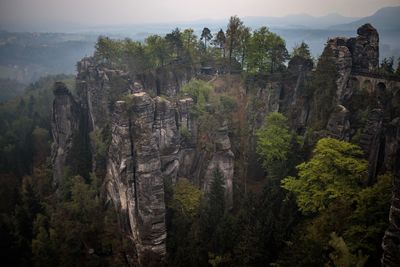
x=336, y=171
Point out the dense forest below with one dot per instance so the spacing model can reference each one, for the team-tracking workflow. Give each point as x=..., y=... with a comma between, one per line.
x=223, y=149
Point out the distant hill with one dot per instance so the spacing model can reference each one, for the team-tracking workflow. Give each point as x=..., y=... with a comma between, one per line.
x=25, y=57
x=385, y=19
x=303, y=21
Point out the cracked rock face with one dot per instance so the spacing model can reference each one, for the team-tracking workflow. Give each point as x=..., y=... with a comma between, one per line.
x=338, y=125
x=223, y=160
x=134, y=178
x=99, y=88
x=365, y=49
x=152, y=140
x=64, y=127
x=343, y=59
x=165, y=125
x=391, y=239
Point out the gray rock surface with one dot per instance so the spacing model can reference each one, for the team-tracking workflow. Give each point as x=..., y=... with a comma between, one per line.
x=365, y=49
x=343, y=59
x=222, y=160
x=134, y=179
x=391, y=239
x=64, y=127
x=339, y=125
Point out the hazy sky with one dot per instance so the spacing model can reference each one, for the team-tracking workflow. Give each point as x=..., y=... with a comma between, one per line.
x=103, y=12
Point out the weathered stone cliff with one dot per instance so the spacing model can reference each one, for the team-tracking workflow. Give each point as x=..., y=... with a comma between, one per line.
x=223, y=161
x=70, y=148
x=134, y=180
x=391, y=240
x=152, y=140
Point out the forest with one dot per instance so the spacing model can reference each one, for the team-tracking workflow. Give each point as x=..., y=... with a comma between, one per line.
x=301, y=196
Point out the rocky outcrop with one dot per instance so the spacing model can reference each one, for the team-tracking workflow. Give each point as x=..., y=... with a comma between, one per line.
x=69, y=135
x=166, y=125
x=372, y=142
x=358, y=54
x=339, y=125
x=98, y=88
x=365, y=49
x=134, y=179
x=343, y=59
x=148, y=180
x=167, y=80
x=222, y=161
x=391, y=239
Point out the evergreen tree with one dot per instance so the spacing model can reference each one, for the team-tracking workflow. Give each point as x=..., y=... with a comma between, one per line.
x=398, y=66
x=387, y=65
x=220, y=41
x=216, y=199
x=206, y=36
x=301, y=50
x=174, y=39
x=233, y=36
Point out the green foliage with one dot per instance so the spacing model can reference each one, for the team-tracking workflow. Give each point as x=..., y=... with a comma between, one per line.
x=301, y=50
x=108, y=51
x=190, y=46
x=341, y=255
x=368, y=221
x=348, y=217
x=275, y=143
x=206, y=36
x=183, y=229
x=135, y=57
x=267, y=52
x=220, y=42
x=228, y=104
x=274, y=138
x=233, y=33
x=322, y=90
x=387, y=65
x=101, y=140
x=216, y=198
x=157, y=49
x=398, y=67
x=185, y=133
x=186, y=198
x=43, y=248
x=335, y=172
x=199, y=90
x=174, y=40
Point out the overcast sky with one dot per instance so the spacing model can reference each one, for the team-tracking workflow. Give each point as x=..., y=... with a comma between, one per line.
x=107, y=12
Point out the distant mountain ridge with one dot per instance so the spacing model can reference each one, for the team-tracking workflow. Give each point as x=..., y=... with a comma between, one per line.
x=385, y=19
x=299, y=21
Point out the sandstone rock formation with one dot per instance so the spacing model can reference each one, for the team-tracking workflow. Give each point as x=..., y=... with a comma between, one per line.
x=134, y=180
x=223, y=161
x=153, y=140
x=69, y=132
x=365, y=49
x=339, y=125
